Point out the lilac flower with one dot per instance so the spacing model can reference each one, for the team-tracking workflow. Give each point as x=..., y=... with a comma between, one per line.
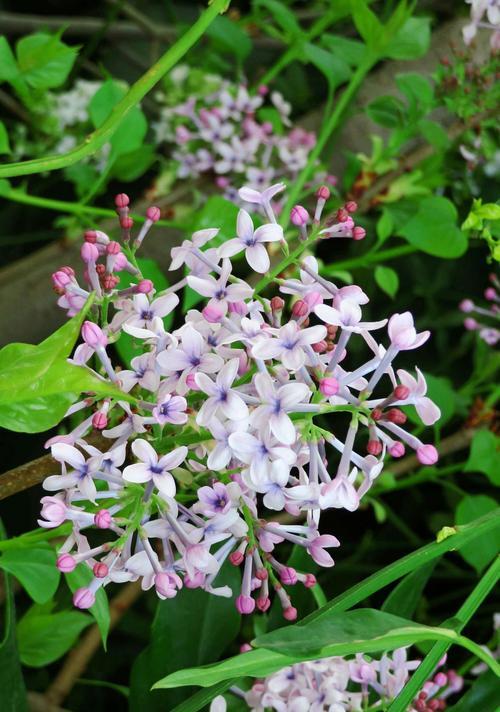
x=218, y=291
x=81, y=476
x=403, y=334
x=153, y=468
x=346, y=311
x=222, y=453
x=193, y=356
x=220, y=395
x=252, y=241
x=275, y=404
x=171, y=409
x=289, y=345
x=427, y=410
x=317, y=546
x=143, y=312
x=260, y=453
x=181, y=254
x=143, y=374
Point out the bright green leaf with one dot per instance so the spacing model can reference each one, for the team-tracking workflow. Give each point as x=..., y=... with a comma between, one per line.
x=228, y=36
x=484, y=455
x=411, y=41
x=132, y=129
x=417, y=89
x=333, y=67
x=132, y=165
x=405, y=597
x=387, y=279
x=80, y=578
x=387, y=111
x=45, y=637
x=434, y=133
x=433, y=229
x=35, y=568
x=4, y=139
x=44, y=60
x=283, y=16
x=8, y=65
x=351, y=51
x=367, y=23
x=483, y=550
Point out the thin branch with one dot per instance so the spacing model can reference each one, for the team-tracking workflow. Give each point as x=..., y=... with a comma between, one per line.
x=79, y=658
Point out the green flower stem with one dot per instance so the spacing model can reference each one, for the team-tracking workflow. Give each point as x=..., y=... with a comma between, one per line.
x=431, y=660
x=329, y=126
x=136, y=93
x=63, y=206
x=292, y=257
x=370, y=258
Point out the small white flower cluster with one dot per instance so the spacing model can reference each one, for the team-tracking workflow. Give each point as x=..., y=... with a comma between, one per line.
x=222, y=423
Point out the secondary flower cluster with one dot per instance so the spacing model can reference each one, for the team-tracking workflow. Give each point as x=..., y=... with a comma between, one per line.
x=487, y=331
x=216, y=430
x=484, y=14
x=239, y=137
x=340, y=684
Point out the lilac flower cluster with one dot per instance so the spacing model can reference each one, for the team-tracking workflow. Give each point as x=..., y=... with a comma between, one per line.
x=225, y=133
x=486, y=330
x=340, y=684
x=483, y=14
x=217, y=423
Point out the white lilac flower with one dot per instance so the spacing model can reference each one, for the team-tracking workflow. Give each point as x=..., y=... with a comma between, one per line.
x=221, y=396
x=252, y=241
x=289, y=345
x=151, y=467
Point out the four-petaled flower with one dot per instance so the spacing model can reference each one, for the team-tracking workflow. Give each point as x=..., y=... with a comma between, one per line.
x=151, y=467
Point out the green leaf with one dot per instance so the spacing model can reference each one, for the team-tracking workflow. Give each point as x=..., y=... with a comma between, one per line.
x=411, y=41
x=44, y=60
x=484, y=456
x=433, y=229
x=192, y=628
x=130, y=166
x=80, y=578
x=434, y=133
x=387, y=279
x=367, y=23
x=417, y=89
x=283, y=16
x=405, y=597
x=4, y=139
x=37, y=384
x=351, y=51
x=228, y=36
x=483, y=550
x=44, y=637
x=8, y=65
x=387, y=111
x=203, y=697
x=13, y=692
x=334, y=68
x=385, y=226
x=126, y=345
x=35, y=568
x=482, y=695
x=132, y=129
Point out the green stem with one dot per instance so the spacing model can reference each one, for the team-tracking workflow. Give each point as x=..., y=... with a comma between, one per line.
x=294, y=254
x=136, y=93
x=431, y=660
x=370, y=258
x=35, y=536
x=328, y=128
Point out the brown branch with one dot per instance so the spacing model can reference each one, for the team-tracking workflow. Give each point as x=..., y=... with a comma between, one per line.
x=79, y=658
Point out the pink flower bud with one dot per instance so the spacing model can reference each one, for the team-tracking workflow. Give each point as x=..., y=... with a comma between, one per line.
x=103, y=519
x=329, y=386
x=113, y=248
x=100, y=570
x=342, y=215
x=267, y=127
x=397, y=450
x=288, y=576
x=312, y=299
x=120, y=262
x=93, y=335
x=261, y=574
x=441, y=679
x=53, y=510
x=238, y=308
x=153, y=213
x=99, y=420
x=490, y=294
x=163, y=585
x=245, y=605
x=191, y=382
x=351, y=206
x=83, y=598
x=401, y=392
x=89, y=253
x=222, y=182
x=466, y=305
x=300, y=308
x=263, y=90
x=126, y=223
x=427, y=455
x=122, y=200
x=60, y=280
x=333, y=180
x=374, y=447
x=66, y=563
x=109, y=281
x=376, y=414
x=196, y=581
x=299, y=215
x=236, y=557
x=245, y=648
x=320, y=347
x=90, y=236
x=290, y=613
x=212, y=314
x=470, y=324
x=310, y=581
x=323, y=193
x=145, y=286
x=358, y=233
x=394, y=415
x=277, y=304
x=263, y=603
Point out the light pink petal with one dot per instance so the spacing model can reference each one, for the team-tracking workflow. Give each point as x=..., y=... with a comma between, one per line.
x=427, y=410
x=264, y=387
x=164, y=305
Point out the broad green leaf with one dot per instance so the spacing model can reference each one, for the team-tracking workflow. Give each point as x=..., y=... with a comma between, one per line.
x=385, y=226
x=411, y=41
x=405, y=597
x=37, y=384
x=351, y=51
x=483, y=550
x=127, y=346
x=202, y=698
x=417, y=89
x=367, y=23
x=192, y=628
x=8, y=65
x=484, y=455
x=387, y=111
x=333, y=67
x=44, y=637
x=228, y=36
x=283, y=16
x=81, y=577
x=132, y=129
x=434, y=133
x=4, y=139
x=44, y=60
x=387, y=279
x=482, y=696
x=13, y=692
x=433, y=229
x=35, y=568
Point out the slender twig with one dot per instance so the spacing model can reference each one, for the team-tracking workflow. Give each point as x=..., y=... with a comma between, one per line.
x=79, y=658
x=14, y=107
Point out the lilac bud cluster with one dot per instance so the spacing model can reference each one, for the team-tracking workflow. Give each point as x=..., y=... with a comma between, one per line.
x=489, y=315
x=216, y=432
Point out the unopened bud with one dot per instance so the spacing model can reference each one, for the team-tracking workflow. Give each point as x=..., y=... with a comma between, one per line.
x=103, y=519
x=342, y=215
x=277, y=304
x=323, y=193
x=93, y=335
x=153, y=213
x=100, y=570
x=83, y=598
x=300, y=308
x=401, y=392
x=99, y=420
x=329, y=386
x=245, y=605
x=358, y=233
x=288, y=576
x=126, y=223
x=397, y=450
x=89, y=252
x=290, y=613
x=374, y=447
x=145, y=286
x=394, y=415
x=236, y=557
x=122, y=200
x=66, y=563
x=427, y=455
x=113, y=248
x=351, y=206
x=299, y=215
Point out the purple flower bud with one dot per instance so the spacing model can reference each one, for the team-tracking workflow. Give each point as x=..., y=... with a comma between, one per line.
x=351, y=206
x=145, y=286
x=113, y=248
x=93, y=335
x=470, y=324
x=427, y=455
x=397, y=450
x=54, y=511
x=466, y=305
x=89, y=252
x=490, y=294
x=213, y=314
x=245, y=605
x=100, y=570
x=329, y=386
x=99, y=420
x=83, y=598
x=103, y=519
x=299, y=215
x=153, y=213
x=90, y=236
x=66, y=563
x=163, y=585
x=288, y=576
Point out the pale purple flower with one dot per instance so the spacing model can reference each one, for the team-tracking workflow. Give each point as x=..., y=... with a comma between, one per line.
x=220, y=456
x=143, y=311
x=316, y=548
x=221, y=396
x=340, y=493
x=259, y=453
x=289, y=345
x=264, y=197
x=214, y=500
x=218, y=291
x=427, y=410
x=192, y=356
x=252, y=241
x=81, y=475
x=276, y=403
x=346, y=311
x=143, y=374
x=171, y=409
x=181, y=254
x=403, y=334
x=151, y=467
